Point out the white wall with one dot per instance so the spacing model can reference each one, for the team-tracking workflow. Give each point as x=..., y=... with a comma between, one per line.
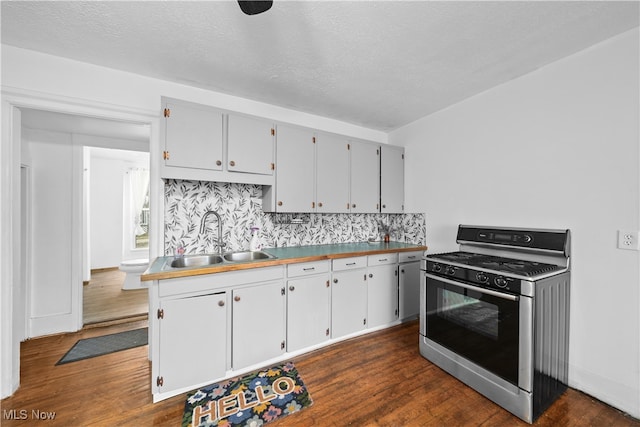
x=107, y=192
x=51, y=161
x=558, y=148
x=47, y=74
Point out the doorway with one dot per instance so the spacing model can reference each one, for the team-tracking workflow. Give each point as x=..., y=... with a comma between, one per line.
x=70, y=137
x=116, y=202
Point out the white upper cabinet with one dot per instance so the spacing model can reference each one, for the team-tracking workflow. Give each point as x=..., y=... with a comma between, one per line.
x=295, y=171
x=332, y=179
x=193, y=136
x=204, y=143
x=250, y=145
x=391, y=179
x=365, y=178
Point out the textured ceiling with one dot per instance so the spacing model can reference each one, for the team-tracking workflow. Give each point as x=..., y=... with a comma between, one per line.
x=380, y=65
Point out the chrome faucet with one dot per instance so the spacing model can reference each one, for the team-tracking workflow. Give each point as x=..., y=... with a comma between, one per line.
x=203, y=228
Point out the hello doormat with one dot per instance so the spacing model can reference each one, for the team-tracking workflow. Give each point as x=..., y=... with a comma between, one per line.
x=251, y=400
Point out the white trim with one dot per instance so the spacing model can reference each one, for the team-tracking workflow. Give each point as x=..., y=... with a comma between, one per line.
x=12, y=100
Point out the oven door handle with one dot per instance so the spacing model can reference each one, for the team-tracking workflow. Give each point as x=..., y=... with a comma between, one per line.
x=475, y=288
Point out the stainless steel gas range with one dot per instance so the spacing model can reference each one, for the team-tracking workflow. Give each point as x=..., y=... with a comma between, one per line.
x=495, y=314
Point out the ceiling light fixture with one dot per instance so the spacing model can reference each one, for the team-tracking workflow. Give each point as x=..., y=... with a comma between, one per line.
x=254, y=7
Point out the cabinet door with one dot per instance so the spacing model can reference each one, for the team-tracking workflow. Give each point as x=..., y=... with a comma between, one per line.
x=348, y=302
x=391, y=179
x=193, y=341
x=294, y=170
x=365, y=178
x=193, y=136
x=308, y=311
x=332, y=179
x=409, y=289
x=382, y=297
x=250, y=145
x=258, y=323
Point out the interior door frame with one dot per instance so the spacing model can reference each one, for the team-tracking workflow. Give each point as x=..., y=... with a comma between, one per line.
x=10, y=248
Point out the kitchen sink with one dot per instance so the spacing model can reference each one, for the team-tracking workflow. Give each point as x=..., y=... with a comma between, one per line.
x=196, y=261
x=246, y=256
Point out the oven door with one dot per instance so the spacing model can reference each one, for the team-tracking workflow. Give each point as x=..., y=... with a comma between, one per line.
x=478, y=324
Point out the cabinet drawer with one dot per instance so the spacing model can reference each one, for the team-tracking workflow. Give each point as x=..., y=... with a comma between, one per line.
x=349, y=263
x=218, y=281
x=382, y=259
x=307, y=268
x=410, y=256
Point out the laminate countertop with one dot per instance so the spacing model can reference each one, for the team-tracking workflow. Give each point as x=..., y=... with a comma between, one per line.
x=160, y=268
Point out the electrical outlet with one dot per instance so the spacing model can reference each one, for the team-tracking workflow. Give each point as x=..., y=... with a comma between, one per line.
x=628, y=240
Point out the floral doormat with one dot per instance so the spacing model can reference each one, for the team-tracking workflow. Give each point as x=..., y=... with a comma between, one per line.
x=251, y=400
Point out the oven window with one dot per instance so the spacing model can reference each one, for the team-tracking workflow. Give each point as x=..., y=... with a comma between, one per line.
x=479, y=327
x=469, y=312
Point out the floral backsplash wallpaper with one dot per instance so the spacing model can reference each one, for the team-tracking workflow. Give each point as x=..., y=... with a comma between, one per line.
x=240, y=207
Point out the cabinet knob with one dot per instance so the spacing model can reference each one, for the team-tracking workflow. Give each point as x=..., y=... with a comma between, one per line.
x=370, y=275
x=353, y=205
x=232, y=163
x=384, y=206
x=279, y=203
x=221, y=303
x=218, y=163
x=335, y=280
x=236, y=298
x=292, y=288
x=319, y=204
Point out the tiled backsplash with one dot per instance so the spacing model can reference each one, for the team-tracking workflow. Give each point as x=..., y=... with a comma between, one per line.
x=240, y=207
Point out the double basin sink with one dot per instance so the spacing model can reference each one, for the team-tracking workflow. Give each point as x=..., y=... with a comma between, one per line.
x=213, y=259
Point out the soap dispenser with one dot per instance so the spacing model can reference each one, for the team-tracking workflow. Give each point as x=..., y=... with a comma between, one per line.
x=254, y=245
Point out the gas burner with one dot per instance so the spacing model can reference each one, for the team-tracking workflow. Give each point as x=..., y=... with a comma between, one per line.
x=496, y=263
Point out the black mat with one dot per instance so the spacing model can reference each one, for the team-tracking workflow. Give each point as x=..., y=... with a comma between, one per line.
x=98, y=346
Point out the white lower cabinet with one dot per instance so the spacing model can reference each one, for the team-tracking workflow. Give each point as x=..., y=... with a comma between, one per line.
x=209, y=327
x=192, y=340
x=348, y=296
x=382, y=299
x=409, y=284
x=258, y=325
x=308, y=305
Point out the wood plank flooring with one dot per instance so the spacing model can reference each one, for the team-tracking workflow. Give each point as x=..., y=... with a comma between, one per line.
x=104, y=300
x=374, y=380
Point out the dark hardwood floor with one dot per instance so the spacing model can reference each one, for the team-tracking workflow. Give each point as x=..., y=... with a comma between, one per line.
x=375, y=380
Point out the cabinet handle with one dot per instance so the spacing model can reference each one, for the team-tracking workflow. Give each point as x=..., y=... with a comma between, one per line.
x=382, y=260
x=292, y=288
x=232, y=163
x=236, y=298
x=309, y=269
x=218, y=163
x=411, y=257
x=221, y=303
x=335, y=280
x=350, y=263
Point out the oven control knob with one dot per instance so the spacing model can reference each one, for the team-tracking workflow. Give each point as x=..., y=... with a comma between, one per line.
x=450, y=270
x=437, y=267
x=482, y=278
x=500, y=281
